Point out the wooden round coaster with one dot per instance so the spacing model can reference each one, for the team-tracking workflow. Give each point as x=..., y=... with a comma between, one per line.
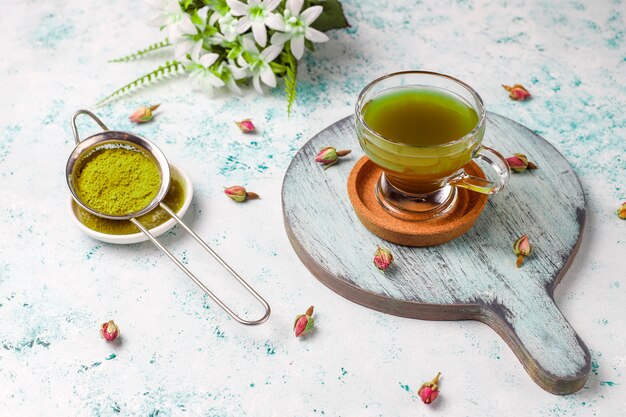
x=450, y=225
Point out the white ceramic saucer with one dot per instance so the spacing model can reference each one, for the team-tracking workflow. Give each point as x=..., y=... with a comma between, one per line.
x=177, y=173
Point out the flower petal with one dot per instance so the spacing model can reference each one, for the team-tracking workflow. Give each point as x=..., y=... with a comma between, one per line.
x=195, y=52
x=271, y=4
x=268, y=77
x=295, y=6
x=186, y=26
x=203, y=13
x=257, y=84
x=244, y=24
x=248, y=44
x=274, y=21
x=241, y=61
x=180, y=53
x=233, y=87
x=173, y=33
x=237, y=8
x=214, y=18
x=271, y=52
x=312, y=13
x=215, y=82
x=206, y=86
x=315, y=35
x=208, y=59
x=297, y=46
x=259, y=32
x=237, y=72
x=280, y=38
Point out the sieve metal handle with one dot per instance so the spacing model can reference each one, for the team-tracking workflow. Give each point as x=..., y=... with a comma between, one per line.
x=199, y=283
x=88, y=113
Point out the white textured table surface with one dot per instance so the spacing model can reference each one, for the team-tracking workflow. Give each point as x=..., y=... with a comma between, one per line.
x=181, y=355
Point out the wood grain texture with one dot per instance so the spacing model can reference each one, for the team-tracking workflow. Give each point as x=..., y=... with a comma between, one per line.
x=472, y=277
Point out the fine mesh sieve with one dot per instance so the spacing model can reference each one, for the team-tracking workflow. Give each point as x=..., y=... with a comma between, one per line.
x=115, y=139
x=110, y=140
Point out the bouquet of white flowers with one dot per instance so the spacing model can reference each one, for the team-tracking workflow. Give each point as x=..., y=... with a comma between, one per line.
x=223, y=43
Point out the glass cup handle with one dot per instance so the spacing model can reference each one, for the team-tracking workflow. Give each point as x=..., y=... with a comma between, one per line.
x=479, y=185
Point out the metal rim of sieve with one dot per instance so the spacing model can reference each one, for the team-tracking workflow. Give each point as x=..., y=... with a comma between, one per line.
x=117, y=139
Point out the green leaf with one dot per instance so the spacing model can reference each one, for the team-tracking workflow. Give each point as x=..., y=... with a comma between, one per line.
x=219, y=5
x=170, y=68
x=142, y=52
x=278, y=68
x=195, y=18
x=332, y=17
x=290, y=78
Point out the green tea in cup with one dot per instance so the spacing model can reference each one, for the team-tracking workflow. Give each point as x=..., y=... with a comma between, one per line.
x=422, y=128
x=420, y=116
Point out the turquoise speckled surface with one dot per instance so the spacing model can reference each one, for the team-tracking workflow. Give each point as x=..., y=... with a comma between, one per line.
x=179, y=354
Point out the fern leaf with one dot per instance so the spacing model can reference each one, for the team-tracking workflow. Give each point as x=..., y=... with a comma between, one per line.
x=169, y=68
x=290, y=80
x=142, y=52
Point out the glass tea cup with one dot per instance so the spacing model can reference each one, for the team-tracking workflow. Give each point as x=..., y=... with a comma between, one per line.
x=419, y=182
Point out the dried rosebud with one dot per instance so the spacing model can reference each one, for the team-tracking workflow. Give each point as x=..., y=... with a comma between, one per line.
x=239, y=194
x=304, y=323
x=519, y=163
x=429, y=391
x=246, y=126
x=621, y=211
x=143, y=114
x=328, y=156
x=109, y=330
x=517, y=92
x=522, y=248
x=382, y=258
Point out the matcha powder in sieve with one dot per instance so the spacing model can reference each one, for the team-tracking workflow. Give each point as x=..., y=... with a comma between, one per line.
x=117, y=181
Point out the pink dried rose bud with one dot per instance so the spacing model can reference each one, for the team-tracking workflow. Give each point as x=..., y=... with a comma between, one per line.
x=621, y=211
x=304, y=323
x=382, y=258
x=429, y=391
x=328, y=156
x=246, y=126
x=109, y=330
x=517, y=92
x=522, y=248
x=239, y=194
x=519, y=163
x=143, y=114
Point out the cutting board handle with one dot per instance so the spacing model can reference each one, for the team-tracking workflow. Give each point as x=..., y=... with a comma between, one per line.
x=543, y=340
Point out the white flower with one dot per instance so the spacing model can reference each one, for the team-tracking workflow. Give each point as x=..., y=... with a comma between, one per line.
x=255, y=14
x=201, y=72
x=173, y=18
x=296, y=27
x=186, y=44
x=227, y=24
x=260, y=68
x=185, y=47
x=230, y=73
